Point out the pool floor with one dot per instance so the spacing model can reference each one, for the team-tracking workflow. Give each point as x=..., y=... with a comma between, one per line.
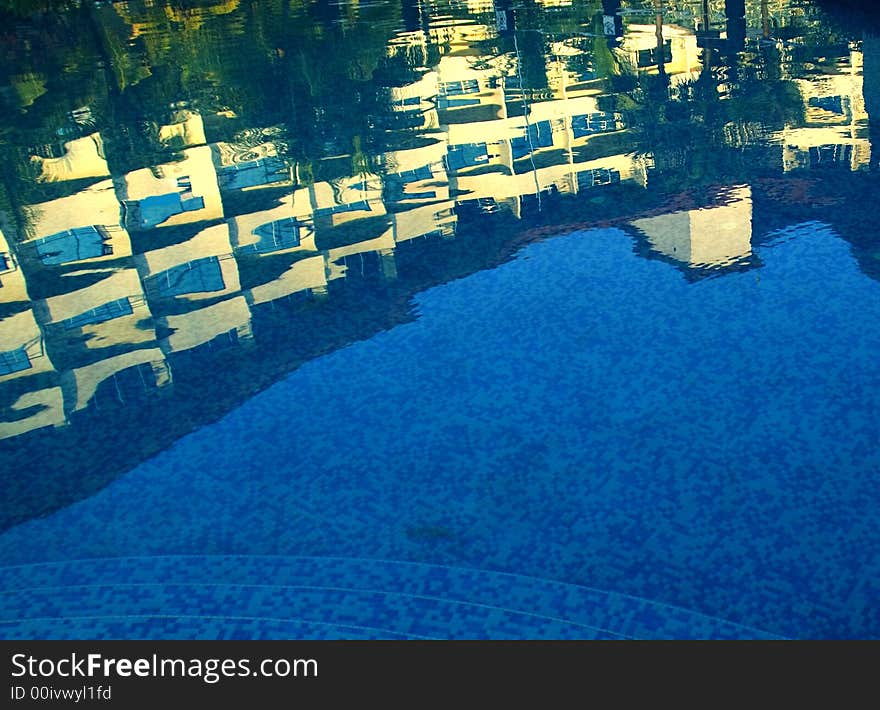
x=578, y=443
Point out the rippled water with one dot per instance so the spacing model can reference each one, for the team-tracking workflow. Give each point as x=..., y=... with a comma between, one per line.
x=583, y=292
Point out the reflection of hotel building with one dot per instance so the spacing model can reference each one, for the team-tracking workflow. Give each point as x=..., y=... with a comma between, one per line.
x=417, y=175
x=112, y=312
x=345, y=200
x=461, y=85
x=186, y=130
x=836, y=130
x=455, y=35
x=83, y=158
x=24, y=355
x=382, y=244
x=548, y=125
x=489, y=156
x=40, y=408
x=486, y=155
x=428, y=220
x=454, y=83
x=417, y=187
x=231, y=318
x=200, y=268
x=24, y=347
x=81, y=228
x=13, y=287
x=568, y=178
x=147, y=18
x=537, y=152
x=172, y=194
x=249, y=167
x=189, y=294
x=342, y=203
x=679, y=53
x=285, y=228
x=81, y=384
x=101, y=319
x=414, y=106
x=309, y=274
x=569, y=70
x=708, y=238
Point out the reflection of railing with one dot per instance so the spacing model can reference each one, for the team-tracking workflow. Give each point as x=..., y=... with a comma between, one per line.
x=597, y=177
x=106, y=238
x=12, y=361
x=74, y=245
x=253, y=173
x=100, y=314
x=830, y=155
x=203, y=275
x=286, y=233
x=8, y=264
x=20, y=359
x=153, y=210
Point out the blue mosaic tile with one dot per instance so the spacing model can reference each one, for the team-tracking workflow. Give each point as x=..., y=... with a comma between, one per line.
x=398, y=599
x=686, y=460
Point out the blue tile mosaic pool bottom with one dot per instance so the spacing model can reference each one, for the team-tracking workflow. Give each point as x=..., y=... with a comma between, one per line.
x=268, y=597
x=580, y=414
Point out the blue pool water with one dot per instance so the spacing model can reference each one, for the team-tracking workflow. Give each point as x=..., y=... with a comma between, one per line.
x=589, y=353
x=581, y=417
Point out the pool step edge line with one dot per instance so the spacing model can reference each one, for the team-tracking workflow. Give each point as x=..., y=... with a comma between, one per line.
x=419, y=615
x=230, y=569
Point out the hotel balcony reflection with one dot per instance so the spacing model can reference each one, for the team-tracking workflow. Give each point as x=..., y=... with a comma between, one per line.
x=82, y=228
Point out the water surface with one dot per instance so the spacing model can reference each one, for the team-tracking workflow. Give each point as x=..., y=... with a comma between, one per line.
x=518, y=320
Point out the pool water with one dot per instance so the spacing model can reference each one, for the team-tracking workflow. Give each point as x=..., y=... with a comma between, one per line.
x=641, y=409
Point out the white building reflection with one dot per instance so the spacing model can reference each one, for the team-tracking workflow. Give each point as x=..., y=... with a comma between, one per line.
x=706, y=238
